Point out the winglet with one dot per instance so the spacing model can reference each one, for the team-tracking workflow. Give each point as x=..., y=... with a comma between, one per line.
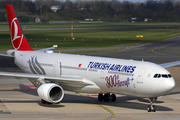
x=18, y=39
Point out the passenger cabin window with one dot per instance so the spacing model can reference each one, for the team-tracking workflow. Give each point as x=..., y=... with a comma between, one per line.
x=162, y=75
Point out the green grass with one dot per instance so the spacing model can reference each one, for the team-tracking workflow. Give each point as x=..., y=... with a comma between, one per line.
x=91, y=38
x=63, y=25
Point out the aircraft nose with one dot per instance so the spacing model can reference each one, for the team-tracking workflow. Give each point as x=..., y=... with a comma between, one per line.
x=170, y=84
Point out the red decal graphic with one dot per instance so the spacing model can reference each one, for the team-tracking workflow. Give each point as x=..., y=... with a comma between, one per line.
x=31, y=86
x=79, y=65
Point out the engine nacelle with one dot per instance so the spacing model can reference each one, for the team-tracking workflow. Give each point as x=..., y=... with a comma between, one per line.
x=51, y=92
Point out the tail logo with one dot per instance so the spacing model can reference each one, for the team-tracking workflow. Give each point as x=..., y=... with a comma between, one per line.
x=16, y=39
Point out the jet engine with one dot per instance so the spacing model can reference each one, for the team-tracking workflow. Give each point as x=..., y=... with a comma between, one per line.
x=51, y=92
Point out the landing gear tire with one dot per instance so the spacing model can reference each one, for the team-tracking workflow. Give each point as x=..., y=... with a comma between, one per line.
x=151, y=107
x=45, y=102
x=57, y=103
x=100, y=97
x=49, y=103
x=106, y=97
x=154, y=108
x=113, y=97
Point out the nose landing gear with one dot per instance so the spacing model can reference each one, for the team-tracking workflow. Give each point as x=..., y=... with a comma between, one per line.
x=151, y=107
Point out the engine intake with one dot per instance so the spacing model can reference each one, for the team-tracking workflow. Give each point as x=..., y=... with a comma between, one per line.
x=51, y=92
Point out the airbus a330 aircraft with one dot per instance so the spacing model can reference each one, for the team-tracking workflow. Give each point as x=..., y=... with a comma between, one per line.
x=52, y=73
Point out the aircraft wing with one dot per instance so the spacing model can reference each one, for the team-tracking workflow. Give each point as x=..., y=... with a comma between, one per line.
x=63, y=80
x=42, y=50
x=171, y=64
x=6, y=55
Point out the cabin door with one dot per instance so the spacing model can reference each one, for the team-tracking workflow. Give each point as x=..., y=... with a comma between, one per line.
x=57, y=68
x=140, y=75
x=102, y=74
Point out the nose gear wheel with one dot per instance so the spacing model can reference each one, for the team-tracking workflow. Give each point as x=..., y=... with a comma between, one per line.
x=151, y=107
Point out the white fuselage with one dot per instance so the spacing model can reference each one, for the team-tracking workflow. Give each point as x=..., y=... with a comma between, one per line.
x=135, y=78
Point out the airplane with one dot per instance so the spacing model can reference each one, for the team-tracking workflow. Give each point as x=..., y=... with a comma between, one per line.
x=52, y=73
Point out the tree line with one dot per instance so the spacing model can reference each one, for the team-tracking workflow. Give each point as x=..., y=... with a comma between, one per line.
x=114, y=10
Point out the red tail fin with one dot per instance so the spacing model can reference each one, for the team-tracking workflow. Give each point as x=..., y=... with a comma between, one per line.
x=19, y=41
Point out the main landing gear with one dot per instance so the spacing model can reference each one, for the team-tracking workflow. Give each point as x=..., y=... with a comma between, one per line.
x=107, y=97
x=45, y=102
x=151, y=107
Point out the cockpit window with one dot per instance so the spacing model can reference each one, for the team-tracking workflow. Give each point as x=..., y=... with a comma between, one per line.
x=159, y=75
x=155, y=76
x=162, y=75
x=169, y=75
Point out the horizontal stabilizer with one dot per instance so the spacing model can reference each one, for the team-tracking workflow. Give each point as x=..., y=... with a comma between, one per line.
x=5, y=55
x=46, y=49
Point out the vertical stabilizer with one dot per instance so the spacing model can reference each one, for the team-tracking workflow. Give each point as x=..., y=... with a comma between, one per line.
x=18, y=39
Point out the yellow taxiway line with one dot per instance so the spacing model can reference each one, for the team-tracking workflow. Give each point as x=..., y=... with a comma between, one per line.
x=112, y=113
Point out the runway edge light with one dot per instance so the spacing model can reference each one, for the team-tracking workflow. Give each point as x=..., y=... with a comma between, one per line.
x=139, y=35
